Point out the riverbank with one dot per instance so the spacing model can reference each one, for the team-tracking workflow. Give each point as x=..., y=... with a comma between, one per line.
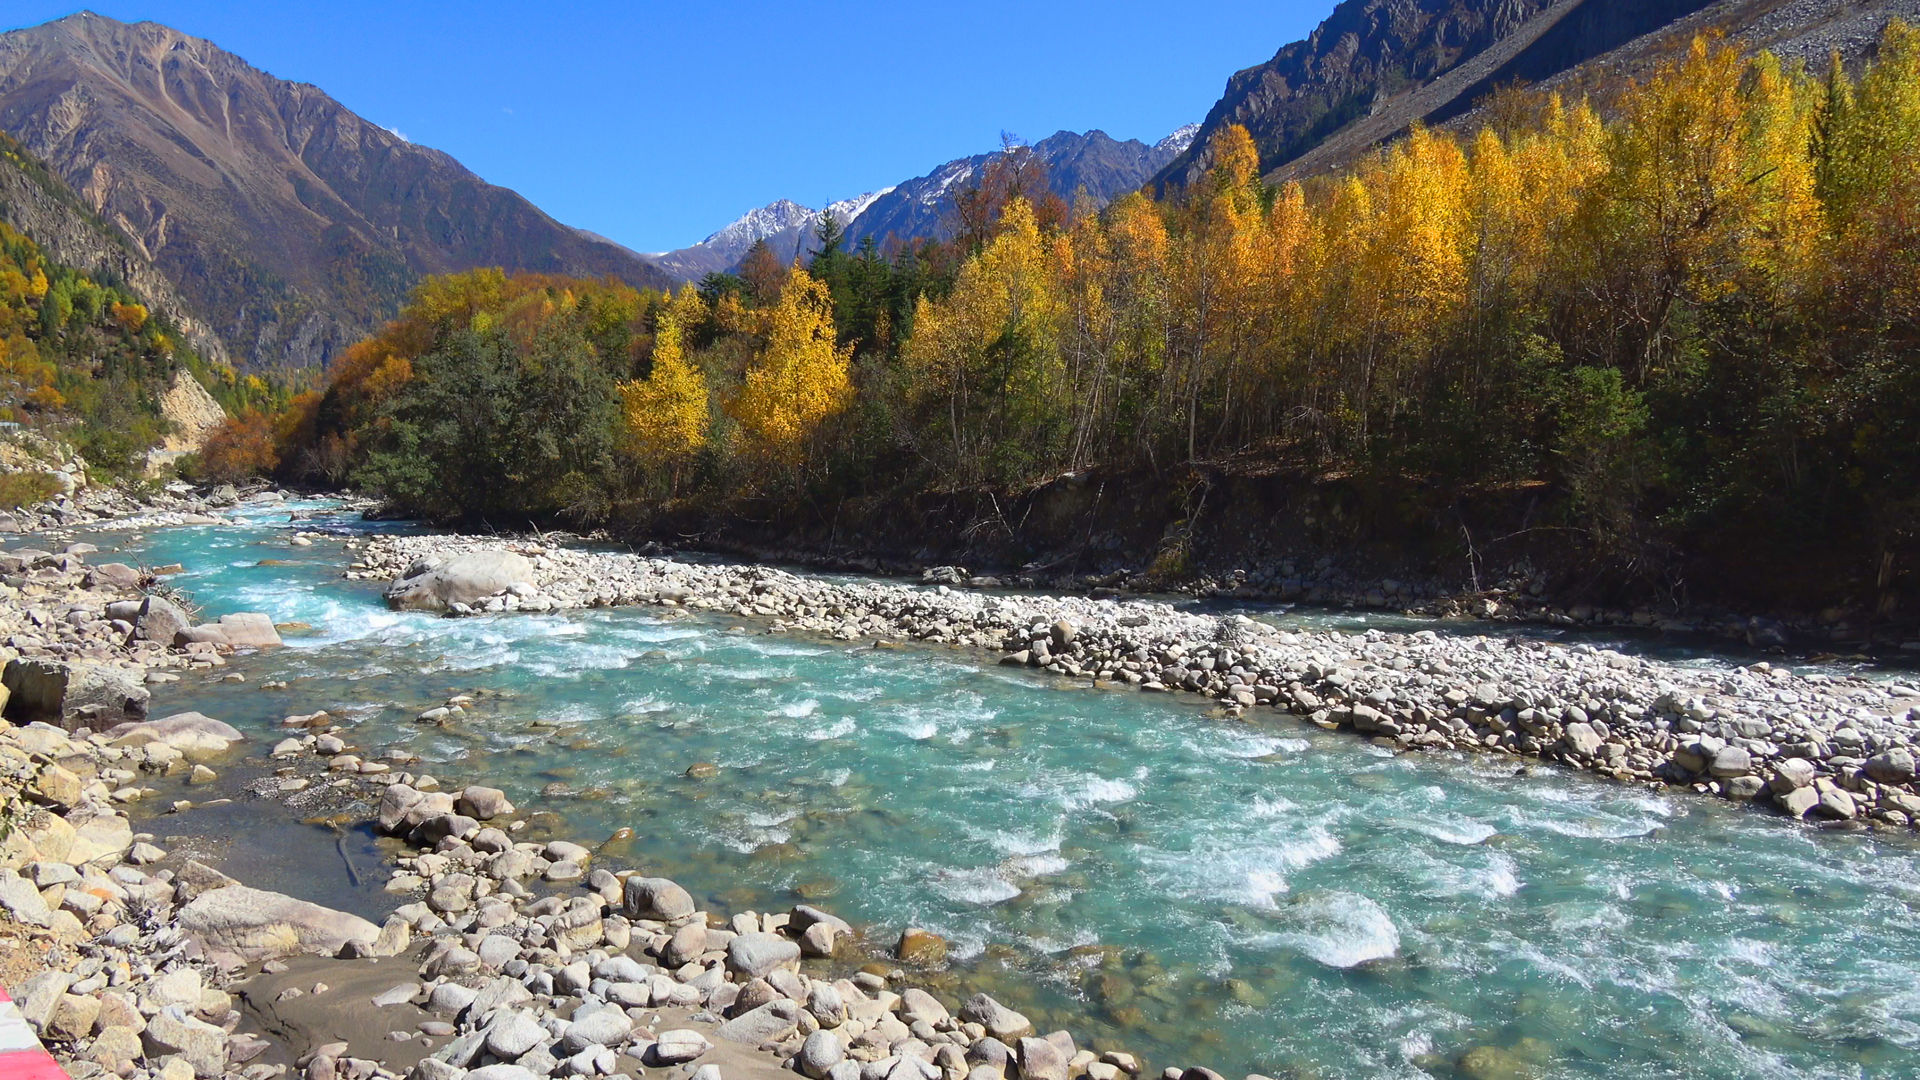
x=1836, y=749
x=452, y=884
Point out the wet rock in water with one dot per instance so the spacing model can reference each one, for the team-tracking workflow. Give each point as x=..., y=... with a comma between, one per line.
x=757, y=955
x=73, y=693
x=1492, y=1063
x=656, y=898
x=918, y=946
x=435, y=585
x=196, y=735
x=249, y=630
x=483, y=803
x=1001, y=1022
x=238, y=925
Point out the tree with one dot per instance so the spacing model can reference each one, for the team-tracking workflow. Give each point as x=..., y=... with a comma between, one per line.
x=799, y=379
x=665, y=415
x=762, y=273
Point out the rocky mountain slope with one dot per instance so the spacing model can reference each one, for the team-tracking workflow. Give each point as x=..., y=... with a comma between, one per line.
x=1375, y=67
x=40, y=204
x=291, y=225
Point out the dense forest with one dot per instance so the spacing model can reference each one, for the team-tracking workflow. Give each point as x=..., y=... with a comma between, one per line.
x=83, y=360
x=1693, y=316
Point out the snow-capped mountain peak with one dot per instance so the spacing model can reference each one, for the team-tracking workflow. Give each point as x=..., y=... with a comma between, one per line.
x=1176, y=143
x=846, y=210
x=759, y=224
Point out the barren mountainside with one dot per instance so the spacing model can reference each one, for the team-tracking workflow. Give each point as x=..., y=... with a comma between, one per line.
x=1375, y=67
x=290, y=224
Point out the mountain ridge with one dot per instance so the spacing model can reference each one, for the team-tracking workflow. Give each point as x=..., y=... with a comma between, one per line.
x=291, y=224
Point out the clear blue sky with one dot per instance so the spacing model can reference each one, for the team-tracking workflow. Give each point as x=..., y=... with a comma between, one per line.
x=655, y=124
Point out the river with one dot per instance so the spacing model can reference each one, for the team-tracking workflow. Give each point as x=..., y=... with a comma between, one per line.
x=1259, y=897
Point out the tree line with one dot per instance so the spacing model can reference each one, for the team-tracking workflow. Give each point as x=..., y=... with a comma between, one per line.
x=1694, y=313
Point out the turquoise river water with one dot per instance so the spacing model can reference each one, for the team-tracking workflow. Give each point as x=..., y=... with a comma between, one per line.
x=1250, y=896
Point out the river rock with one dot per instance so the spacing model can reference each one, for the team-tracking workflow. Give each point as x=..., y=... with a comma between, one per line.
x=818, y=940
x=200, y=1044
x=1837, y=804
x=656, y=898
x=917, y=946
x=73, y=693
x=194, y=734
x=503, y=1071
x=1791, y=774
x=512, y=1034
x=1890, y=767
x=757, y=955
x=605, y=1026
x=686, y=945
x=677, y=1046
x=249, y=630
x=483, y=803
x=20, y=899
x=1041, y=1060
x=820, y=1053
x=435, y=585
x=238, y=925
x=1795, y=802
x=159, y=619
x=917, y=1004
x=1731, y=761
x=1582, y=740
x=1001, y=1022
x=769, y=1023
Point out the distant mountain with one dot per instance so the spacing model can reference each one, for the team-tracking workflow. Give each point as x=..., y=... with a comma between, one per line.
x=785, y=225
x=921, y=208
x=290, y=225
x=1103, y=167
x=1376, y=67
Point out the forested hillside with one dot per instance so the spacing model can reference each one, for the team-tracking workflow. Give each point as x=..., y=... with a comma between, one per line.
x=1686, y=332
x=83, y=360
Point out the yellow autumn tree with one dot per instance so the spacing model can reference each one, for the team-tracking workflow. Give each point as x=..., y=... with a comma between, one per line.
x=664, y=416
x=987, y=358
x=799, y=379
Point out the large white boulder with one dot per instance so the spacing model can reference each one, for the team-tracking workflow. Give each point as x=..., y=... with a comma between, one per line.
x=238, y=925
x=433, y=585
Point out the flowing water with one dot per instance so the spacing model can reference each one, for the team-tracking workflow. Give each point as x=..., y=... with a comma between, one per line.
x=1254, y=897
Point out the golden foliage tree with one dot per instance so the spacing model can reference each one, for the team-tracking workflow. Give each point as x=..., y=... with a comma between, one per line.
x=799, y=379
x=665, y=415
